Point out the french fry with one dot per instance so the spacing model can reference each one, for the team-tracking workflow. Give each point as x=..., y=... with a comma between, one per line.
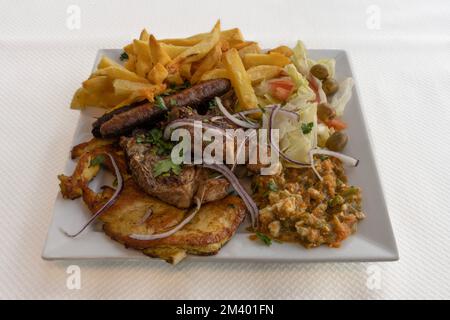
x=185, y=71
x=284, y=50
x=146, y=92
x=97, y=84
x=207, y=63
x=171, y=49
x=198, y=51
x=143, y=57
x=130, y=64
x=215, y=74
x=157, y=52
x=240, y=80
x=158, y=74
x=83, y=98
x=126, y=87
x=174, y=78
x=119, y=73
x=263, y=72
x=251, y=48
x=256, y=59
x=129, y=49
x=106, y=62
x=230, y=34
x=144, y=36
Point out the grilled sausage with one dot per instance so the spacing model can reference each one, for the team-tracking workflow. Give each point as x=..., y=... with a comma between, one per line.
x=123, y=122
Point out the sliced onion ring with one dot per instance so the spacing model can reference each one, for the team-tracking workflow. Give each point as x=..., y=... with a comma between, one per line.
x=347, y=160
x=108, y=204
x=249, y=203
x=146, y=237
x=233, y=118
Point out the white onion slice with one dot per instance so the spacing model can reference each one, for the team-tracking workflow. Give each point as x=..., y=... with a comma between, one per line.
x=108, y=204
x=347, y=160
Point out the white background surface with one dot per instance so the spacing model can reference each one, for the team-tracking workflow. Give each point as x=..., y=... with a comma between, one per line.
x=402, y=71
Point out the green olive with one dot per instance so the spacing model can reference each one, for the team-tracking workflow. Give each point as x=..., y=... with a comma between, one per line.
x=337, y=141
x=325, y=112
x=330, y=86
x=319, y=71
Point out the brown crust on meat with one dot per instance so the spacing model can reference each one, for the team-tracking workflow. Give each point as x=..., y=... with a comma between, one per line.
x=123, y=121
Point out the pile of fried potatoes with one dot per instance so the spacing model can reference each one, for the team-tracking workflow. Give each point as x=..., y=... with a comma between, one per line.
x=152, y=66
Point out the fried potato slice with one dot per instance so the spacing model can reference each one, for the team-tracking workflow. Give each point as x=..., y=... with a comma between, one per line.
x=240, y=80
x=158, y=54
x=143, y=57
x=215, y=74
x=107, y=62
x=130, y=64
x=256, y=59
x=98, y=84
x=284, y=50
x=208, y=63
x=85, y=170
x=144, y=36
x=119, y=73
x=172, y=50
x=250, y=48
x=263, y=72
x=198, y=51
x=158, y=74
x=234, y=34
x=89, y=146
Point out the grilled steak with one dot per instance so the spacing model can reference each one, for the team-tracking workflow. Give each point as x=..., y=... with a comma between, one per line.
x=123, y=120
x=176, y=189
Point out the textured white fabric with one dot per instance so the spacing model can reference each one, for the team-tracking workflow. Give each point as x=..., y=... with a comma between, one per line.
x=402, y=70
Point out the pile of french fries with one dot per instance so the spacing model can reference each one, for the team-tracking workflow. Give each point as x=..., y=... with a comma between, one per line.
x=152, y=66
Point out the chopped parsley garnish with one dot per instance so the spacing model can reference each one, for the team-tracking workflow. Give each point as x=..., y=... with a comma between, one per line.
x=272, y=186
x=323, y=157
x=97, y=161
x=165, y=167
x=115, y=182
x=123, y=56
x=212, y=104
x=155, y=138
x=160, y=103
x=267, y=241
x=173, y=102
x=307, y=127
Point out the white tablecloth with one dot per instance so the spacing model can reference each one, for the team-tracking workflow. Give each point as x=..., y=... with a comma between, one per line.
x=401, y=56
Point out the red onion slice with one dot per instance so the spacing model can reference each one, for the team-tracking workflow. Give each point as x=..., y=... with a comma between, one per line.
x=146, y=237
x=233, y=118
x=249, y=203
x=108, y=204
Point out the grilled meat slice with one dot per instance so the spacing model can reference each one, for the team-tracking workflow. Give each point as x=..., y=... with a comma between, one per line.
x=123, y=122
x=176, y=189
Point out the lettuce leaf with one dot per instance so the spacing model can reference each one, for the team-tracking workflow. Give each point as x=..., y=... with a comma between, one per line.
x=343, y=96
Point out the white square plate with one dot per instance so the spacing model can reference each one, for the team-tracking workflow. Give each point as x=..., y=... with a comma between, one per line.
x=374, y=240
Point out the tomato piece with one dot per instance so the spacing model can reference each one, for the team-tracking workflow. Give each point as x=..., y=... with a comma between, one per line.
x=337, y=124
x=281, y=89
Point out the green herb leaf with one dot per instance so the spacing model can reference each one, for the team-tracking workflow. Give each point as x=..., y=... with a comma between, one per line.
x=166, y=166
x=97, y=161
x=115, y=182
x=212, y=104
x=173, y=102
x=307, y=127
x=267, y=241
x=272, y=186
x=123, y=56
x=160, y=103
